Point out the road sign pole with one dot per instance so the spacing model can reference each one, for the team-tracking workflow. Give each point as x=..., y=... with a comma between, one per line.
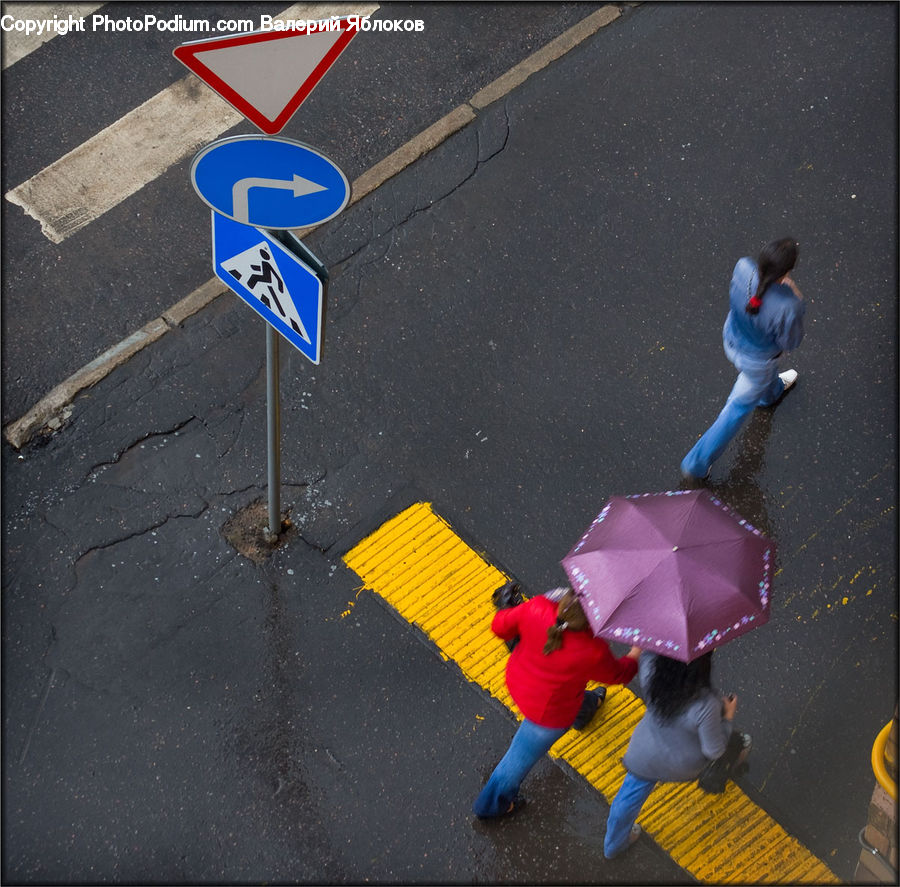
x=273, y=409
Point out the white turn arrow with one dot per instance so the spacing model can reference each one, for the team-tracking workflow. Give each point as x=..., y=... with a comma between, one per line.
x=240, y=193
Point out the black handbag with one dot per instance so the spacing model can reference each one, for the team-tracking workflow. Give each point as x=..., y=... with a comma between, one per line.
x=506, y=597
x=714, y=776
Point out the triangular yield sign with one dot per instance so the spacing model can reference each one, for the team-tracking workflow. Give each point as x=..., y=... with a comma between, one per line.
x=267, y=75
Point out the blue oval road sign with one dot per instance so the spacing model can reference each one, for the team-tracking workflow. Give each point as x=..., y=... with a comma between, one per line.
x=269, y=182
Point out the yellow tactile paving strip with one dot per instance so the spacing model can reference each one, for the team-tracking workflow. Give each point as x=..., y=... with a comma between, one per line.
x=419, y=565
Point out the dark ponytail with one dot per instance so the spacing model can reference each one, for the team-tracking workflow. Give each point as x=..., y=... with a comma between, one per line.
x=569, y=615
x=776, y=259
x=673, y=684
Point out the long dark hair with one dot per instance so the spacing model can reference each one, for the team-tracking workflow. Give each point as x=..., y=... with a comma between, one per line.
x=569, y=615
x=674, y=684
x=775, y=260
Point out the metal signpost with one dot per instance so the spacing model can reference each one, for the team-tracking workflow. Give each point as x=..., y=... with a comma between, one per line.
x=289, y=295
x=259, y=188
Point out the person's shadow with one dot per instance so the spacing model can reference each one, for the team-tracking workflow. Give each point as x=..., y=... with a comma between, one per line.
x=740, y=489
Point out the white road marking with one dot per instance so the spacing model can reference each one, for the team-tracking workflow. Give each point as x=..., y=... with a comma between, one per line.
x=114, y=164
x=117, y=162
x=18, y=44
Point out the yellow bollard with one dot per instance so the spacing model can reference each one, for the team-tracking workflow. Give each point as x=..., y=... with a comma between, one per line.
x=878, y=763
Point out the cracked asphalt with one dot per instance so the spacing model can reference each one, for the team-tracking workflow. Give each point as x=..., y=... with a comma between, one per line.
x=153, y=249
x=522, y=323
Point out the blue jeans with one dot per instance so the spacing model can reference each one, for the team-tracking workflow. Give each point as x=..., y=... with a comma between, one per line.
x=528, y=746
x=757, y=385
x=624, y=811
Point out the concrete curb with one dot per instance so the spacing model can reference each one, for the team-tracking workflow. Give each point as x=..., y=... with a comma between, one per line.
x=51, y=410
x=54, y=408
x=555, y=49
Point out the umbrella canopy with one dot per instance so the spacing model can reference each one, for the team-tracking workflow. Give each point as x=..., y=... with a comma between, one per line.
x=678, y=573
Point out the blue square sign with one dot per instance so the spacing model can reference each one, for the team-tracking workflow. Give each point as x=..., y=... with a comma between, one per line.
x=274, y=282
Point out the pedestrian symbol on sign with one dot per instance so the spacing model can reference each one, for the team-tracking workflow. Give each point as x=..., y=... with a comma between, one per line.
x=266, y=270
x=256, y=270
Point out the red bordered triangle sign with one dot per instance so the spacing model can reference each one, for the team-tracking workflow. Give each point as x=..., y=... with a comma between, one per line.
x=267, y=75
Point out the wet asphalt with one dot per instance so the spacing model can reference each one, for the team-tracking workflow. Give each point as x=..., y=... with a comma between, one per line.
x=521, y=324
x=152, y=249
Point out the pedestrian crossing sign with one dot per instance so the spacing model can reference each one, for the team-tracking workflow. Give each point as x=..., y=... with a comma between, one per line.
x=277, y=284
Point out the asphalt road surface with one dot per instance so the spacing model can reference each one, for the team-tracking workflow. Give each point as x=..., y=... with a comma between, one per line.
x=522, y=323
x=83, y=295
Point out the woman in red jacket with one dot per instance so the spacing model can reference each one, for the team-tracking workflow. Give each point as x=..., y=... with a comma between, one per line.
x=556, y=656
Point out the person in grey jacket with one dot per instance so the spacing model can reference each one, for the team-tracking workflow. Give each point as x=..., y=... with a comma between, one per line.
x=765, y=319
x=686, y=725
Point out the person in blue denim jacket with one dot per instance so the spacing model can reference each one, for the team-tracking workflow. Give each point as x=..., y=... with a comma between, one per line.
x=765, y=319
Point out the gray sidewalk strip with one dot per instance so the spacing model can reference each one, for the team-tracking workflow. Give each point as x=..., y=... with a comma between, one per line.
x=52, y=409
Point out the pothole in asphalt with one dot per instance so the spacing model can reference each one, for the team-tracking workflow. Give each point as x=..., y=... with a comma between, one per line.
x=245, y=531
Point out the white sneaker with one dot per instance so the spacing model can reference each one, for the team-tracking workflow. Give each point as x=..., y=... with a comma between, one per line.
x=789, y=377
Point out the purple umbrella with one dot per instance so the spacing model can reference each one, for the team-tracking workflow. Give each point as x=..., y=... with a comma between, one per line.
x=677, y=573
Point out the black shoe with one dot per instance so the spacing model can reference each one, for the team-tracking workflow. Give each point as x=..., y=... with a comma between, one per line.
x=691, y=480
x=589, y=706
x=514, y=807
